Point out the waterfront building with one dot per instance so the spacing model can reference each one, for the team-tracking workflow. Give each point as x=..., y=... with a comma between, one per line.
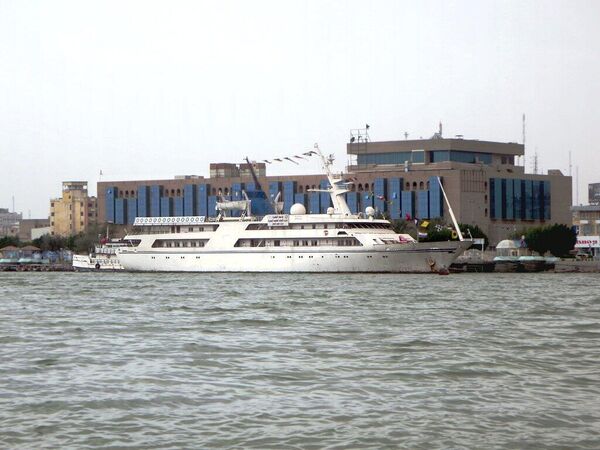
x=482, y=179
x=9, y=222
x=30, y=229
x=74, y=211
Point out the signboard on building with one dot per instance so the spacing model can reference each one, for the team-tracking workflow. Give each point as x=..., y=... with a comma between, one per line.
x=587, y=241
x=594, y=193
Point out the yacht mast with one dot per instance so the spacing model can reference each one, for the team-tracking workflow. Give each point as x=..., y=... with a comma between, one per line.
x=336, y=190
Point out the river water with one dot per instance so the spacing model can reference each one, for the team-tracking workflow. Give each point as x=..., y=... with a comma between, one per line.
x=299, y=361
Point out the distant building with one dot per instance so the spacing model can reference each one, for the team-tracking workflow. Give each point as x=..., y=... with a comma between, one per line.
x=27, y=227
x=586, y=219
x=9, y=222
x=594, y=193
x=74, y=211
x=398, y=178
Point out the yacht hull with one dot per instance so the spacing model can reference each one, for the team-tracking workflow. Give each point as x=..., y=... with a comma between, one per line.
x=410, y=258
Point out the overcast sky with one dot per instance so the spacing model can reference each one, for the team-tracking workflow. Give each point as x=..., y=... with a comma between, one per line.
x=144, y=90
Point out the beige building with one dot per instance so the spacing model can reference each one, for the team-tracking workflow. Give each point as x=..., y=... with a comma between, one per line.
x=74, y=211
x=485, y=183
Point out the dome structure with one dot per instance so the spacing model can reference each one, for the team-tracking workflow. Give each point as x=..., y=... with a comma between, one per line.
x=297, y=209
x=370, y=211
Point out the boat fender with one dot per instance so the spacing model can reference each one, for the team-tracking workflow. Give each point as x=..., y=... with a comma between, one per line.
x=431, y=263
x=97, y=266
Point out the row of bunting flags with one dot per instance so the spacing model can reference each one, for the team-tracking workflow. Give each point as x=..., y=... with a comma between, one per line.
x=291, y=158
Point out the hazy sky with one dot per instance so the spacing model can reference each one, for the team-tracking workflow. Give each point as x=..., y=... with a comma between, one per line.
x=144, y=90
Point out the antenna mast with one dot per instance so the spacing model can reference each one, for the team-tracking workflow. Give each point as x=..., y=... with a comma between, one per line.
x=577, y=185
x=523, y=140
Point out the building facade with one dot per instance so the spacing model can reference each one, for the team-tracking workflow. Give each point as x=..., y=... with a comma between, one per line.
x=9, y=222
x=398, y=178
x=74, y=211
x=30, y=229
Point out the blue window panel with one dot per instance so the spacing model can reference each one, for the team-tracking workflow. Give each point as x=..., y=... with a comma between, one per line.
x=470, y=157
x=537, y=199
x=120, y=213
x=503, y=197
x=547, y=200
x=380, y=191
x=510, y=200
x=325, y=199
x=189, y=200
x=202, y=199
x=366, y=200
x=408, y=205
x=528, y=199
x=397, y=158
x=352, y=200
x=211, y=206
x=498, y=198
x=111, y=195
x=423, y=204
x=492, y=198
x=131, y=209
x=436, y=198
x=250, y=187
x=289, y=188
x=236, y=191
x=155, y=195
x=178, y=206
x=439, y=156
x=143, y=201
x=274, y=189
x=394, y=198
x=460, y=156
x=314, y=203
x=517, y=195
x=166, y=206
x=300, y=198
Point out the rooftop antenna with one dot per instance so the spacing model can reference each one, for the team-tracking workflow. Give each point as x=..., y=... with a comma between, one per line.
x=571, y=174
x=523, y=139
x=13, y=203
x=577, y=185
x=570, y=166
x=406, y=135
x=440, y=129
x=535, y=162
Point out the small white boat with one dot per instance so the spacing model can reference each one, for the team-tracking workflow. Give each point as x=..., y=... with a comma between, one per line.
x=103, y=257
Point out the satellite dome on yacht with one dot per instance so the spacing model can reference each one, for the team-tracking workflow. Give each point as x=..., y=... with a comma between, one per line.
x=297, y=209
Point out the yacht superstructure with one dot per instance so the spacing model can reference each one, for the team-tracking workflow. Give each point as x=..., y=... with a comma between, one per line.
x=338, y=241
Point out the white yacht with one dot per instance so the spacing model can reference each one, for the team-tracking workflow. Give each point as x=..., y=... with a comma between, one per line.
x=338, y=241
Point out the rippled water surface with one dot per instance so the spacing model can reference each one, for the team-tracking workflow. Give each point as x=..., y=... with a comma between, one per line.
x=299, y=361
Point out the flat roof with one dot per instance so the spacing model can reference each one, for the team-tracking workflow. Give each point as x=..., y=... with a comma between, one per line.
x=469, y=145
